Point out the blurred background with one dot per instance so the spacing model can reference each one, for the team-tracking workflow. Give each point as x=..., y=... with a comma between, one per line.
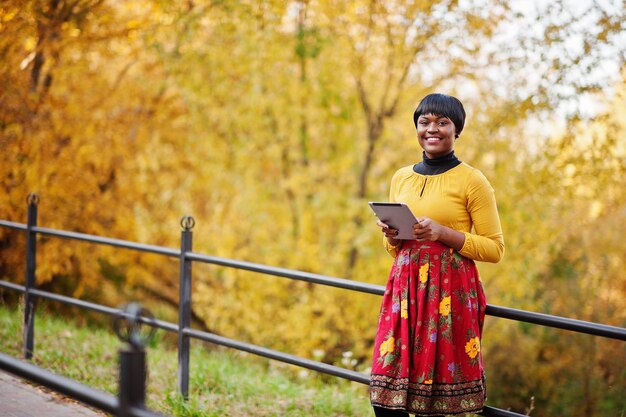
x=273, y=123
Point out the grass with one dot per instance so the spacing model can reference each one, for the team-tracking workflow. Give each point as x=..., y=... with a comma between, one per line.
x=222, y=382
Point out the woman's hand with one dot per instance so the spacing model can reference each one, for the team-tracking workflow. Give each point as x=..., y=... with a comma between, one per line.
x=426, y=229
x=389, y=232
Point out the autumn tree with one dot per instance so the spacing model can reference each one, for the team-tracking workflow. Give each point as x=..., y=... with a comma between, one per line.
x=273, y=123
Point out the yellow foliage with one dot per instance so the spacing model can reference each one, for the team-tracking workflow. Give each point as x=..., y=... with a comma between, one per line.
x=273, y=124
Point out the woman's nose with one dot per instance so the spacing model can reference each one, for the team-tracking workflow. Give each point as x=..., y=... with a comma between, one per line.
x=432, y=127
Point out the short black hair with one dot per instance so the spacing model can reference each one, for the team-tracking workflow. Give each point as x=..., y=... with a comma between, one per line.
x=442, y=105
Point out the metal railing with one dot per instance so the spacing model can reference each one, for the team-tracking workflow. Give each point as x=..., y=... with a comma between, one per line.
x=130, y=401
x=186, y=258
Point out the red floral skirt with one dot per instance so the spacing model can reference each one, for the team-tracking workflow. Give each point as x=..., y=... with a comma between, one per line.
x=427, y=358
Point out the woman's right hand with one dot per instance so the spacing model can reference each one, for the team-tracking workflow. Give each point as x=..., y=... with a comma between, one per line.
x=389, y=232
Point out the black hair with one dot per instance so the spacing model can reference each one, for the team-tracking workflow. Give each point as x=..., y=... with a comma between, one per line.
x=442, y=105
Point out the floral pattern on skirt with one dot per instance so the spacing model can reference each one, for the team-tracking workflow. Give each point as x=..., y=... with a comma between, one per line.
x=427, y=352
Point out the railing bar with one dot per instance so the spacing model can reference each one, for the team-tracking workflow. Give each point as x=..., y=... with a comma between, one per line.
x=564, y=323
x=542, y=319
x=12, y=286
x=579, y=326
x=164, y=325
x=288, y=273
x=102, y=309
x=184, y=305
x=66, y=386
x=497, y=311
x=143, y=247
x=498, y=412
x=13, y=225
x=280, y=356
x=76, y=302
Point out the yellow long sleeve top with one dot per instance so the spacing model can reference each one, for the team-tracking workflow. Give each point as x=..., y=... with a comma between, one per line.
x=461, y=199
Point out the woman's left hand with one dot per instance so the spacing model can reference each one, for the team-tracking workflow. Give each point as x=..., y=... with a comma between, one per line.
x=426, y=229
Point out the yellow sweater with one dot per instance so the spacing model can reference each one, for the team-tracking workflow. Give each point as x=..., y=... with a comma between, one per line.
x=461, y=199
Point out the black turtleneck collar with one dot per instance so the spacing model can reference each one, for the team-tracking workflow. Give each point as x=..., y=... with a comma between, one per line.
x=436, y=166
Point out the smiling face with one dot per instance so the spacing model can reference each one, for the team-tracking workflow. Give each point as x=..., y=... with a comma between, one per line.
x=436, y=135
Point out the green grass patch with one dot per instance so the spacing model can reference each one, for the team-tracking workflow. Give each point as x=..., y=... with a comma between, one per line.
x=223, y=382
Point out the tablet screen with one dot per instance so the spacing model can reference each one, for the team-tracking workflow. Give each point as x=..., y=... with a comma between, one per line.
x=397, y=216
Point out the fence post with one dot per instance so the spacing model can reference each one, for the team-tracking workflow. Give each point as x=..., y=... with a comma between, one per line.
x=184, y=305
x=132, y=373
x=31, y=263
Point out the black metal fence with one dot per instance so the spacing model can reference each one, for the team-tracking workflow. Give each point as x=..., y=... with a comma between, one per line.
x=186, y=258
x=130, y=401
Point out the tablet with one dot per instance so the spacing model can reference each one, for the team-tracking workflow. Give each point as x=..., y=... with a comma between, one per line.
x=397, y=216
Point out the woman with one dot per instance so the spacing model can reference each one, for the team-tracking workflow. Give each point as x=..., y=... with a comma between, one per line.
x=427, y=358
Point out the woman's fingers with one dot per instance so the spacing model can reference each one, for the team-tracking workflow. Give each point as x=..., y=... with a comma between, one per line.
x=388, y=231
x=425, y=229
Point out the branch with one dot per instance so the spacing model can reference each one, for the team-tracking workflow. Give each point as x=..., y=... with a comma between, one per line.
x=390, y=65
x=367, y=108
x=160, y=296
